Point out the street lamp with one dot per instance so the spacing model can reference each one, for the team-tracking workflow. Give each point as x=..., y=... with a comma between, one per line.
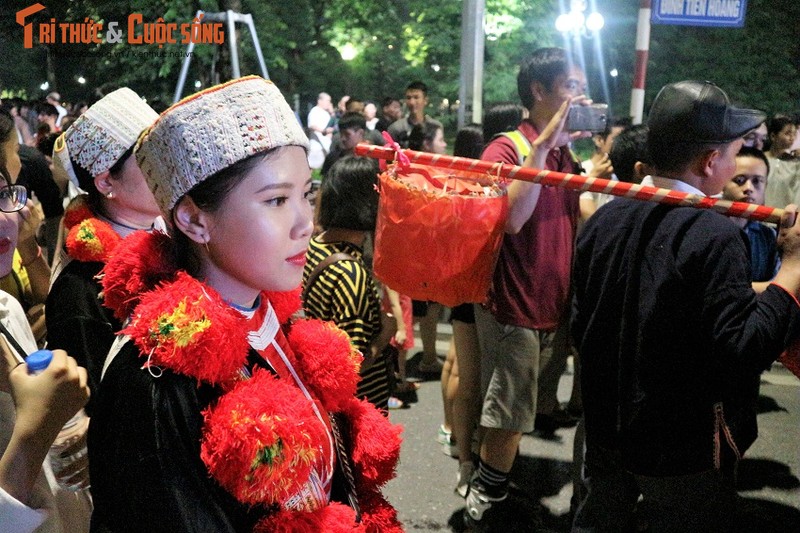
x=577, y=23
x=348, y=52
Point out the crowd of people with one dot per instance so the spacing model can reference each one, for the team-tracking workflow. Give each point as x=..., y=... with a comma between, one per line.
x=221, y=318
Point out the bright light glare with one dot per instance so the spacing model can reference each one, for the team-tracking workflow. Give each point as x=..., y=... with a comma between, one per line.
x=595, y=21
x=564, y=23
x=81, y=80
x=614, y=73
x=197, y=84
x=44, y=86
x=348, y=52
x=577, y=20
x=436, y=67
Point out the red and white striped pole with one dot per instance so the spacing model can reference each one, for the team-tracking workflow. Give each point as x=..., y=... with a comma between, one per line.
x=642, y=49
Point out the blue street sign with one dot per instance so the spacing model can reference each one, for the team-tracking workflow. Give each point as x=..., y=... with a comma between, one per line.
x=716, y=13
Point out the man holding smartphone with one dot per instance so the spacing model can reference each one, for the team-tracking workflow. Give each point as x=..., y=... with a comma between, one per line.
x=530, y=289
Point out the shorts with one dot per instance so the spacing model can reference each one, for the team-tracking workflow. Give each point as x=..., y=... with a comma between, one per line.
x=463, y=313
x=509, y=371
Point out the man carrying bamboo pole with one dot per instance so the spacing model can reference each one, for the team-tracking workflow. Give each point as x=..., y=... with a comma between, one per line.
x=530, y=286
x=671, y=336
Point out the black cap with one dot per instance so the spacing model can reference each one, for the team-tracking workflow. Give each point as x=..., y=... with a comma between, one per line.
x=698, y=112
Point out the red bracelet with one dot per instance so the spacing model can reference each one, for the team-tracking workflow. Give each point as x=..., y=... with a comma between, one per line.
x=38, y=255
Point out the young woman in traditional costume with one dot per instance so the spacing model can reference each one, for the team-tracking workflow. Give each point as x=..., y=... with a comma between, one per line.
x=96, y=151
x=220, y=410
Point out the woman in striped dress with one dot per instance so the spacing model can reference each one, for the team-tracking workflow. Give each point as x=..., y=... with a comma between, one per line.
x=341, y=289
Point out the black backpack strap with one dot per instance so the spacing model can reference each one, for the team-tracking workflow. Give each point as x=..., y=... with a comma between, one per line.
x=325, y=263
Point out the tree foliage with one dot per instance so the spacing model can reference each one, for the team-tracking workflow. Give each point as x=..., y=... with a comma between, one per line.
x=397, y=41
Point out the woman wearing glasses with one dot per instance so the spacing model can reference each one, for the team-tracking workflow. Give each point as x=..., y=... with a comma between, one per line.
x=96, y=151
x=43, y=402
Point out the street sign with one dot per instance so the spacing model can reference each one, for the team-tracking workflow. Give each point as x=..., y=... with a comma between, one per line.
x=714, y=13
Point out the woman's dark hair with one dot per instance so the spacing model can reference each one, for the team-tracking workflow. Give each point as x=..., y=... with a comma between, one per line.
x=86, y=180
x=422, y=133
x=348, y=198
x=47, y=143
x=776, y=124
x=469, y=142
x=209, y=195
x=501, y=118
x=7, y=129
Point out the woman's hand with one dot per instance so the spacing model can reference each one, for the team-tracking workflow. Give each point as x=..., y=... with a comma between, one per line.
x=46, y=401
x=602, y=169
x=31, y=218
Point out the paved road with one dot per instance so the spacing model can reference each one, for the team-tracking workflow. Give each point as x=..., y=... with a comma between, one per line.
x=423, y=490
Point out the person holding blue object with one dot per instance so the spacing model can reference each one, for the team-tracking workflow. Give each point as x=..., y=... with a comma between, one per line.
x=33, y=409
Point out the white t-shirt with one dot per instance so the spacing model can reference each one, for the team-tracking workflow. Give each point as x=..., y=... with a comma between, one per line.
x=318, y=118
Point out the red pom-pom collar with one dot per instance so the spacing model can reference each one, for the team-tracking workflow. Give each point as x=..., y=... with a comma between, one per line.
x=259, y=437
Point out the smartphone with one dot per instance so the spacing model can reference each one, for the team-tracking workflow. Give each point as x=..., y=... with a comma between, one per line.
x=592, y=118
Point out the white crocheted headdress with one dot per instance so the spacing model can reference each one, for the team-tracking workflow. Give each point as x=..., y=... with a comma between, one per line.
x=210, y=131
x=99, y=137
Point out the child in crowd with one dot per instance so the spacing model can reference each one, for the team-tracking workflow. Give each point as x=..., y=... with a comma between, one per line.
x=749, y=185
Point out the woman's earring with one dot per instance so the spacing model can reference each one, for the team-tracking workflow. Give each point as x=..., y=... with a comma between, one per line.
x=205, y=242
x=110, y=195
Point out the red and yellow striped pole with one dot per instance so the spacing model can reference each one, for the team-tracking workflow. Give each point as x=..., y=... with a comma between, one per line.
x=579, y=183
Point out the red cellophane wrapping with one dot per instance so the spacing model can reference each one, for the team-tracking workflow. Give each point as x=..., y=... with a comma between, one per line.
x=438, y=235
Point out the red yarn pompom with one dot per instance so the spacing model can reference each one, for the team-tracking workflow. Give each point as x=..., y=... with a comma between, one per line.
x=91, y=240
x=378, y=515
x=285, y=303
x=262, y=439
x=77, y=211
x=186, y=327
x=328, y=362
x=138, y=264
x=375, y=444
x=333, y=518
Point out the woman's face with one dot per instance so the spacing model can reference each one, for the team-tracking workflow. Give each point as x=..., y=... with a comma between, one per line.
x=9, y=222
x=259, y=235
x=132, y=194
x=784, y=138
x=9, y=232
x=438, y=144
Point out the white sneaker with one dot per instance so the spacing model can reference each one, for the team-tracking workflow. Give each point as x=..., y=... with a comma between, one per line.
x=444, y=435
x=445, y=438
x=478, y=502
x=465, y=471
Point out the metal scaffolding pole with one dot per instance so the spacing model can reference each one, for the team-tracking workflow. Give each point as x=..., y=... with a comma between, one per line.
x=470, y=92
